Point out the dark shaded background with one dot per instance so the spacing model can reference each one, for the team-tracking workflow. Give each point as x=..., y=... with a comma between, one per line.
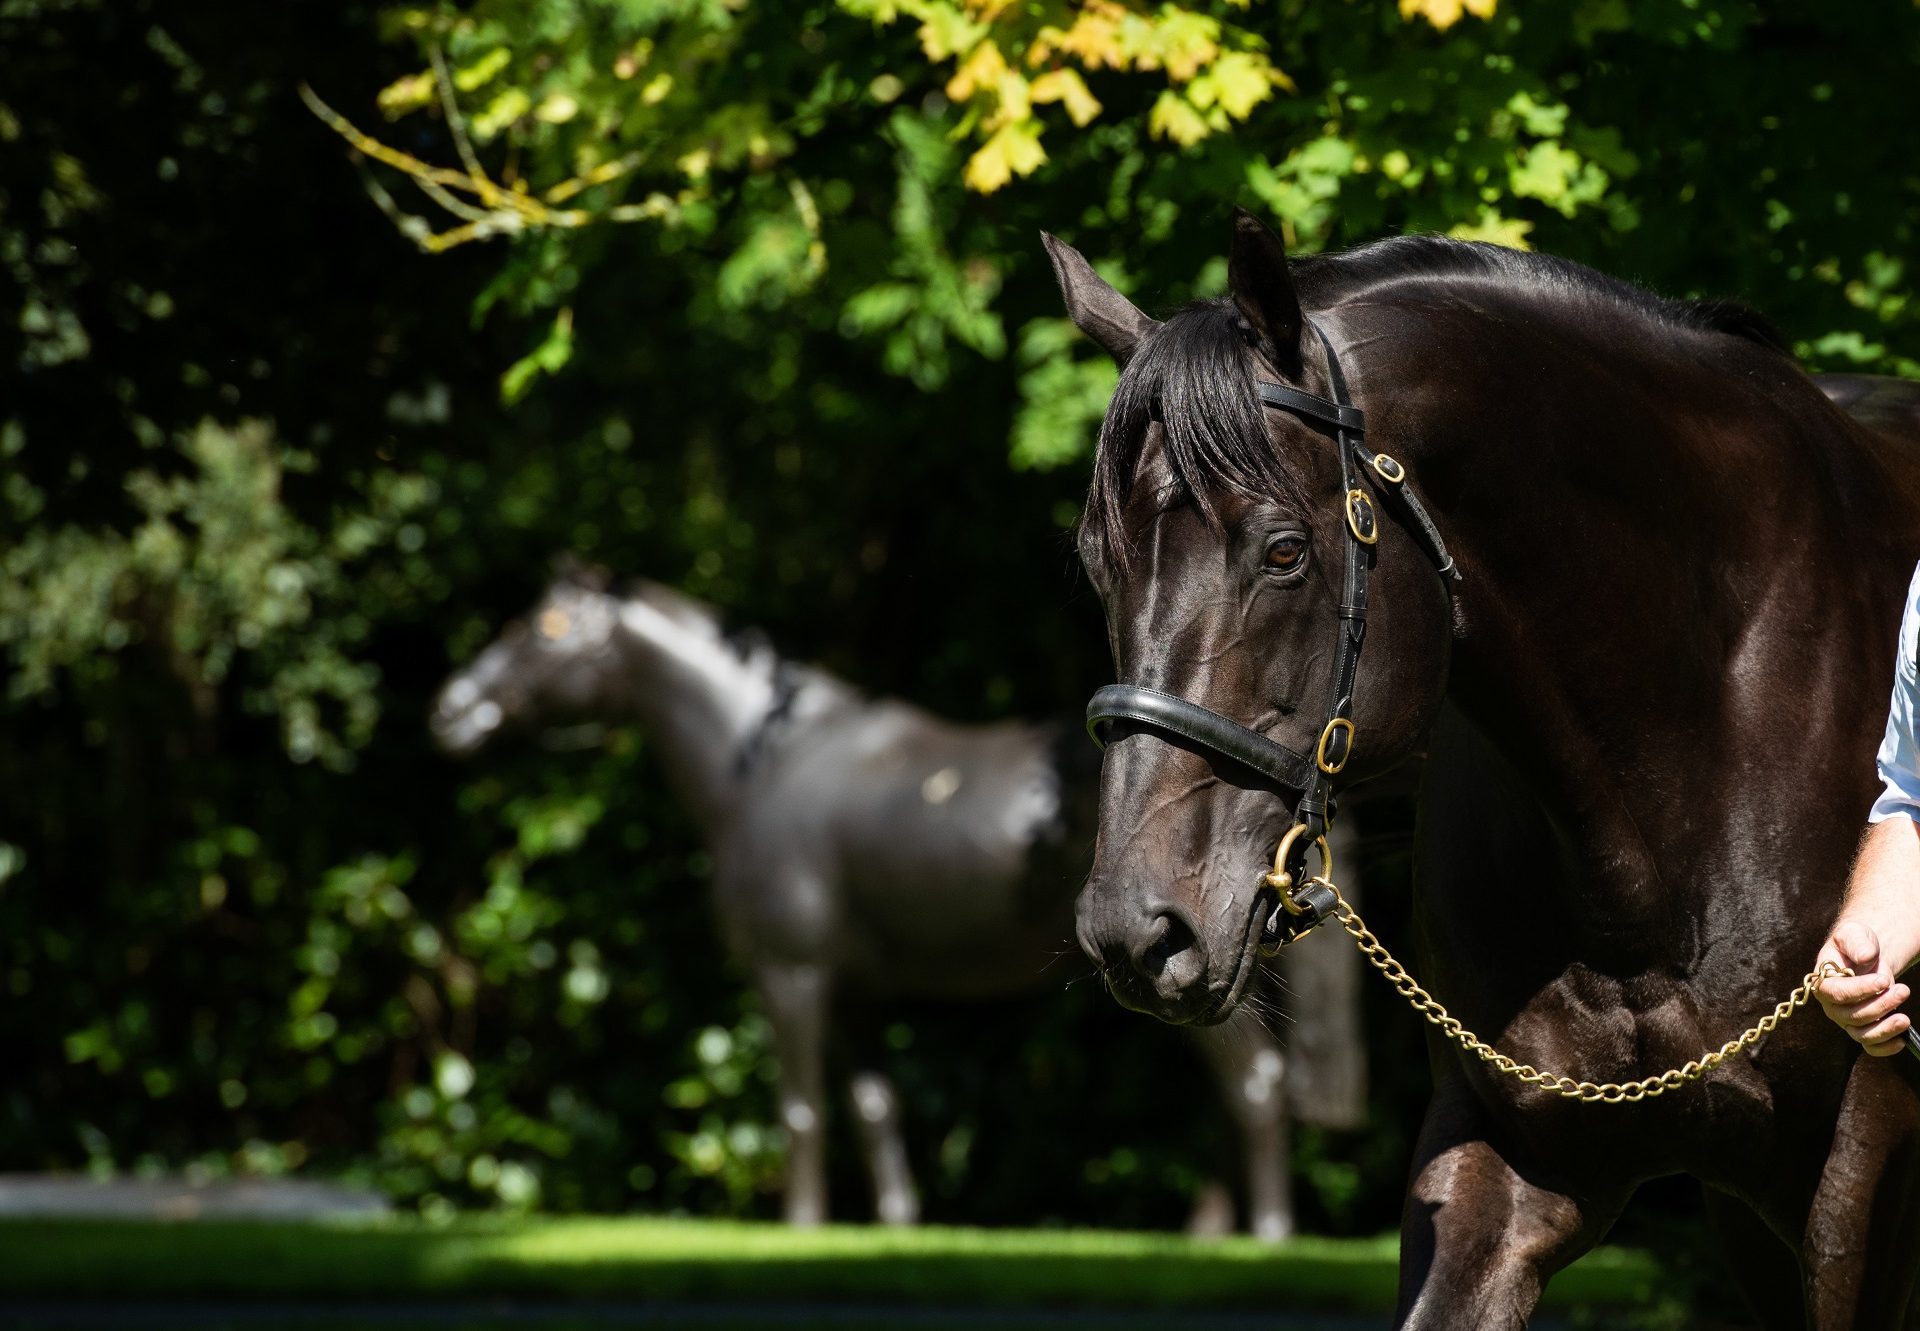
x=261, y=494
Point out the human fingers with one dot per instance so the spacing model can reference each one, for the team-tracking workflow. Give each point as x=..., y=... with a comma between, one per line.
x=1873, y=1009
x=1841, y=992
x=1884, y=1036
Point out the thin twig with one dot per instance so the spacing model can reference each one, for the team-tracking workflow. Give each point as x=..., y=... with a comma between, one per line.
x=457, y=127
x=501, y=211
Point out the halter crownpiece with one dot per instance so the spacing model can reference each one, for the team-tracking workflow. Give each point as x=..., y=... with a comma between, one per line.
x=1301, y=906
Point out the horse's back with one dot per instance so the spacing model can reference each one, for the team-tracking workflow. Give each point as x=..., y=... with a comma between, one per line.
x=943, y=847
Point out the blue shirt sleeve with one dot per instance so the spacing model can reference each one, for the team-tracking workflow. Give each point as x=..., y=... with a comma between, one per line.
x=1899, y=757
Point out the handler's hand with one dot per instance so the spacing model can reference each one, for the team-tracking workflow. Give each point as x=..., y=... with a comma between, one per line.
x=1863, y=1004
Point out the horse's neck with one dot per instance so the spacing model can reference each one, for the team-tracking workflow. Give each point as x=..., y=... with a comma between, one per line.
x=701, y=699
x=1652, y=627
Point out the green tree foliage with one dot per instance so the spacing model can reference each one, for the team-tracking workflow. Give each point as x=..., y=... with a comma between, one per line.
x=753, y=136
x=747, y=297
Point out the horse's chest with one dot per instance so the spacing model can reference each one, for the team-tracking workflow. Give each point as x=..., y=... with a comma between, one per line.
x=1610, y=1031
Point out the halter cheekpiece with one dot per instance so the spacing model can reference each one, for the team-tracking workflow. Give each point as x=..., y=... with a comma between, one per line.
x=1303, y=901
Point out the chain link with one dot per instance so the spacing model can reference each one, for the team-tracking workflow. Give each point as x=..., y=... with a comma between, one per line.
x=1558, y=1083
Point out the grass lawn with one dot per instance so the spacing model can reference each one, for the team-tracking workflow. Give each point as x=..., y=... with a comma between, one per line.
x=693, y=1261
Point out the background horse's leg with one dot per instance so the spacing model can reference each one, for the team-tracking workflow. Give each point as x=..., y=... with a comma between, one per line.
x=1863, y=1234
x=1766, y=1269
x=796, y=1002
x=1320, y=978
x=1247, y=1061
x=876, y=1109
x=1479, y=1239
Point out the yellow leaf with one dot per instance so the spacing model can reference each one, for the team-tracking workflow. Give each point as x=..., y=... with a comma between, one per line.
x=408, y=93
x=1182, y=42
x=557, y=109
x=1444, y=14
x=507, y=106
x=1015, y=102
x=1094, y=39
x=469, y=77
x=1174, y=117
x=1238, y=82
x=945, y=31
x=982, y=69
x=1070, y=90
x=1014, y=150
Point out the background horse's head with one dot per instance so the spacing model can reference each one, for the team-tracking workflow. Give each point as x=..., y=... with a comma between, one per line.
x=552, y=663
x=1214, y=533
x=647, y=653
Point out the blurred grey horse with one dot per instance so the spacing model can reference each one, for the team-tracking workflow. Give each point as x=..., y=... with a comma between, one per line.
x=864, y=846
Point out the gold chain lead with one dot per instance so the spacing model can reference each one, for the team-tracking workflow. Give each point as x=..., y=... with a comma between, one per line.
x=1587, y=1092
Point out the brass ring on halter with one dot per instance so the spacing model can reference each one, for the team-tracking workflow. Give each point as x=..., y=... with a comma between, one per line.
x=1388, y=469
x=1360, y=518
x=1280, y=880
x=1331, y=766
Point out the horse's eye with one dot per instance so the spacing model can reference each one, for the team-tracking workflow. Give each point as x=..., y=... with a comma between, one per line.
x=1285, y=554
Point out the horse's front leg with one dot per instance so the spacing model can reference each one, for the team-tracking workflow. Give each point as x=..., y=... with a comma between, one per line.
x=1247, y=1062
x=876, y=1108
x=1863, y=1232
x=1481, y=1234
x=796, y=995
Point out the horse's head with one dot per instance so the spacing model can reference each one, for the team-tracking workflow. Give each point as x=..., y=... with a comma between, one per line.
x=1216, y=534
x=552, y=662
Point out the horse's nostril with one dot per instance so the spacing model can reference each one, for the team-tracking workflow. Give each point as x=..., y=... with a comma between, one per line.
x=1169, y=956
x=1167, y=937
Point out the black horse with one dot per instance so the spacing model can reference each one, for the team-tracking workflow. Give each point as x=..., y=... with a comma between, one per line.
x=867, y=849
x=1650, y=700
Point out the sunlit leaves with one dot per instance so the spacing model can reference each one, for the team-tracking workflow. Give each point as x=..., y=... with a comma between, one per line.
x=779, y=259
x=1494, y=229
x=549, y=357
x=1557, y=176
x=1216, y=73
x=1062, y=397
x=1014, y=150
x=409, y=92
x=1237, y=82
x=480, y=72
x=1174, y=117
x=931, y=299
x=1446, y=13
x=1070, y=90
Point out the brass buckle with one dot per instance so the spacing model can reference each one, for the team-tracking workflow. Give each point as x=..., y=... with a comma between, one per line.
x=1320, y=749
x=1281, y=881
x=1360, y=517
x=1387, y=469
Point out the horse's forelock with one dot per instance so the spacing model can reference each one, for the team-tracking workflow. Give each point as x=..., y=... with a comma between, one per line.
x=1191, y=375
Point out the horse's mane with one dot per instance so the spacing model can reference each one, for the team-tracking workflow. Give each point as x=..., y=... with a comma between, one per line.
x=1333, y=279
x=1190, y=374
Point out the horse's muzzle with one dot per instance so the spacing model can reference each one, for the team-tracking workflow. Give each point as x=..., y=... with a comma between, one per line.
x=1153, y=958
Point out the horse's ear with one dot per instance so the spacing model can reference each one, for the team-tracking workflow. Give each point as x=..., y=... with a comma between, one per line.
x=1099, y=311
x=1262, y=290
x=571, y=569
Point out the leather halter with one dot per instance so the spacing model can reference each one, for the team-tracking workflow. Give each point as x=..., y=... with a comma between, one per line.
x=1311, y=776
